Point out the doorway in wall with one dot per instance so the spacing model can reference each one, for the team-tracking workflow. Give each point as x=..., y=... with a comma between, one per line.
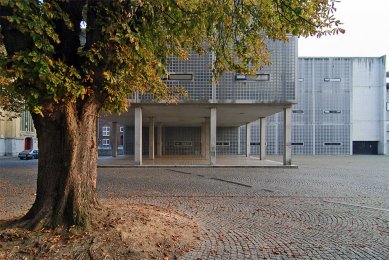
x=28, y=143
x=365, y=147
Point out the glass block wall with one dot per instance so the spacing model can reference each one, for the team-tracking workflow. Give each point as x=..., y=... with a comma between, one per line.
x=227, y=140
x=181, y=141
x=321, y=118
x=278, y=85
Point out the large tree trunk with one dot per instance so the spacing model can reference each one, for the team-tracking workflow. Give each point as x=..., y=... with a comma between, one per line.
x=67, y=168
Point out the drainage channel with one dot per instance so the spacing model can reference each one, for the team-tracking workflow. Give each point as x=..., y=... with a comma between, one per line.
x=233, y=182
x=179, y=171
x=216, y=179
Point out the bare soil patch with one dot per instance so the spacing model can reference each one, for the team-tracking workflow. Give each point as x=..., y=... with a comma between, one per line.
x=122, y=231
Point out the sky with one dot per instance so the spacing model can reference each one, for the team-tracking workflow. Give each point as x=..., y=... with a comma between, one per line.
x=367, y=32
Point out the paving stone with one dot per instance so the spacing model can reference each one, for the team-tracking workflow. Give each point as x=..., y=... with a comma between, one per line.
x=329, y=208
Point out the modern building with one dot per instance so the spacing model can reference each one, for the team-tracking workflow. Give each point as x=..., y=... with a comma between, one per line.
x=316, y=105
x=342, y=108
x=17, y=135
x=209, y=122
x=329, y=105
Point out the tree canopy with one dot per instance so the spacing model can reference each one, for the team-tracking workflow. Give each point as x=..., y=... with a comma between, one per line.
x=78, y=50
x=65, y=60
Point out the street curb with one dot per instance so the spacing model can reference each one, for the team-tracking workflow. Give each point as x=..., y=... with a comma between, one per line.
x=199, y=166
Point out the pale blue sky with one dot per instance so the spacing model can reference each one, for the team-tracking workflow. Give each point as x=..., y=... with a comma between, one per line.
x=367, y=32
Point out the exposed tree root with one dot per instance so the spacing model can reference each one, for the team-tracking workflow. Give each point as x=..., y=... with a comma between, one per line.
x=121, y=231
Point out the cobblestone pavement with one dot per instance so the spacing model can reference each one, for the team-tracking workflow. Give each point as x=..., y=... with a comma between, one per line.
x=328, y=208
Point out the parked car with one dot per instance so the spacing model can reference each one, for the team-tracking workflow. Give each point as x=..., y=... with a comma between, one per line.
x=28, y=154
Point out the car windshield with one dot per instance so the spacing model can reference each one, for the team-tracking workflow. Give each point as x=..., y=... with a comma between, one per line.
x=26, y=151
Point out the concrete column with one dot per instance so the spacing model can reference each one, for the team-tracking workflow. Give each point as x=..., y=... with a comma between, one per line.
x=248, y=139
x=203, y=140
x=163, y=140
x=212, y=143
x=313, y=86
x=276, y=133
x=138, y=135
x=239, y=148
x=151, y=138
x=262, y=138
x=287, y=136
x=207, y=139
x=159, y=140
x=114, y=139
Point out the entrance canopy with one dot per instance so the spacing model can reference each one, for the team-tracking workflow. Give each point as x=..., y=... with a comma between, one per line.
x=228, y=115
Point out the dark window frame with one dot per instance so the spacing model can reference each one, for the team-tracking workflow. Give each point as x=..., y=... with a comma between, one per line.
x=257, y=77
x=332, y=144
x=297, y=111
x=332, y=80
x=180, y=76
x=223, y=143
x=183, y=143
x=332, y=112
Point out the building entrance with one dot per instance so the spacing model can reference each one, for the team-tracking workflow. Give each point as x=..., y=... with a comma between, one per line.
x=365, y=147
x=28, y=143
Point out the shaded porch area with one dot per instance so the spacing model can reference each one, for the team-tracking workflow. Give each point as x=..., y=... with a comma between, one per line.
x=198, y=134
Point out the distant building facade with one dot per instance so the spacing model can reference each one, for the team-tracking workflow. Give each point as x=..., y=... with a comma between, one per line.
x=342, y=108
x=107, y=132
x=17, y=135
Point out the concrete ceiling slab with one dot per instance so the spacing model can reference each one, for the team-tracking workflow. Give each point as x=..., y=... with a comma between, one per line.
x=228, y=115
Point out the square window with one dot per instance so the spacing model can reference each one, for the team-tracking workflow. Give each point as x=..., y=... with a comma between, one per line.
x=121, y=129
x=106, y=130
x=105, y=141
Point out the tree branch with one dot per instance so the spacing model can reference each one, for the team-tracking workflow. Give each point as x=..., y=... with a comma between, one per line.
x=14, y=40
